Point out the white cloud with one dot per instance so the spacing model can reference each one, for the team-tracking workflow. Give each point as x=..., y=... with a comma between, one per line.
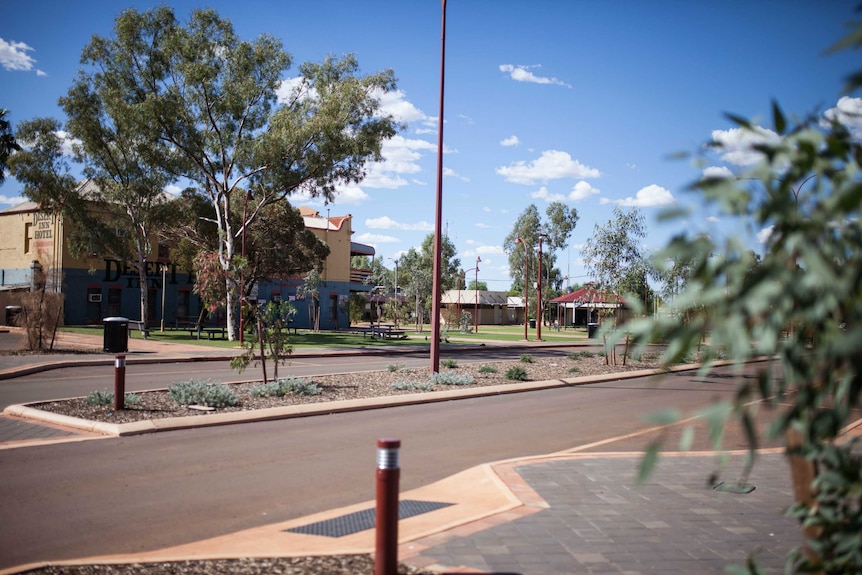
x=764, y=234
x=848, y=111
x=11, y=200
x=14, y=57
x=582, y=190
x=649, y=197
x=713, y=219
x=523, y=74
x=450, y=173
x=737, y=144
x=387, y=223
x=349, y=194
x=490, y=251
x=510, y=141
x=543, y=194
x=401, y=157
x=551, y=165
x=717, y=172
x=482, y=225
x=376, y=239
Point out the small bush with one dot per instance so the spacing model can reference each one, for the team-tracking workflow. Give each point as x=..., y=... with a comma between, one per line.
x=449, y=363
x=286, y=386
x=100, y=397
x=393, y=367
x=451, y=379
x=574, y=370
x=516, y=373
x=580, y=354
x=487, y=369
x=527, y=358
x=105, y=398
x=200, y=392
x=412, y=386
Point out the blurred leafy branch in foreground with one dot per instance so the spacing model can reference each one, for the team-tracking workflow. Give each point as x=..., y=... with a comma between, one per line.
x=801, y=304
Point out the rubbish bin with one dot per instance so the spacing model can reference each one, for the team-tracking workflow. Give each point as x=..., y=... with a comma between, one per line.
x=116, y=334
x=532, y=324
x=592, y=329
x=12, y=313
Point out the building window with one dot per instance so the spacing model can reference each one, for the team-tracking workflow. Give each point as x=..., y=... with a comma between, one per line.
x=183, y=309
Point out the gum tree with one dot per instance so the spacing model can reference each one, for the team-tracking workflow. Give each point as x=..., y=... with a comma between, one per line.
x=213, y=101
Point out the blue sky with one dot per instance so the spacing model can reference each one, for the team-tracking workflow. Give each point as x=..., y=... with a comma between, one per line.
x=579, y=101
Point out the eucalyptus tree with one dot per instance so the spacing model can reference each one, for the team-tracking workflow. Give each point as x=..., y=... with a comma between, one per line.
x=614, y=255
x=213, y=101
x=7, y=143
x=554, y=231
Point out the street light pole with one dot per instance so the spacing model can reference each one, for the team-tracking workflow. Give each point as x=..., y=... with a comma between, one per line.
x=397, y=301
x=476, y=296
x=539, y=314
x=438, y=213
x=526, y=284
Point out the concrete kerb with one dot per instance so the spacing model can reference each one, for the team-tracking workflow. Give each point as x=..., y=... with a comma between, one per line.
x=25, y=411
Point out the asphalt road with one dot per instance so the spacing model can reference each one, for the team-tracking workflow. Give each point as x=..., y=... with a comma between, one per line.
x=126, y=495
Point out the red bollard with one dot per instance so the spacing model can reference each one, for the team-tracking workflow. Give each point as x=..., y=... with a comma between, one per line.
x=120, y=382
x=386, y=514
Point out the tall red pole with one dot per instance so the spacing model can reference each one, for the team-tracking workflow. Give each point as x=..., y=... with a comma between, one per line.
x=438, y=226
x=539, y=295
x=386, y=512
x=476, y=296
x=526, y=286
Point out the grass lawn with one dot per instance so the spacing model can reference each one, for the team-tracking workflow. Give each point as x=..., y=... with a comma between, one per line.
x=309, y=339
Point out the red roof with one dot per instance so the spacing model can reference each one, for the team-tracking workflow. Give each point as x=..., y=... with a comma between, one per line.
x=588, y=294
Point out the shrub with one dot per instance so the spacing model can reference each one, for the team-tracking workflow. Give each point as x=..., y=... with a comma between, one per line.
x=105, y=398
x=487, y=369
x=516, y=373
x=449, y=363
x=527, y=358
x=574, y=370
x=580, y=354
x=199, y=392
x=285, y=386
x=451, y=379
x=393, y=367
x=412, y=386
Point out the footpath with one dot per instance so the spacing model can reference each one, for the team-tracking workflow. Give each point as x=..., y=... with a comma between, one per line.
x=578, y=511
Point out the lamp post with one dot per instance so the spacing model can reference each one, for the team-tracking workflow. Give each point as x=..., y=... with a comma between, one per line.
x=526, y=284
x=476, y=296
x=539, y=314
x=396, y=289
x=438, y=212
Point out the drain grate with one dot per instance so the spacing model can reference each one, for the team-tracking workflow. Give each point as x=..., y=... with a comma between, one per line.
x=363, y=520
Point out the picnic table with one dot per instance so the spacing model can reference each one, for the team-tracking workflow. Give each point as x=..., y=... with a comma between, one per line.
x=211, y=332
x=387, y=331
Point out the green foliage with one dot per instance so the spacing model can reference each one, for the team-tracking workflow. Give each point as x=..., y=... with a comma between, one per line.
x=798, y=304
x=393, y=367
x=105, y=398
x=203, y=392
x=100, y=397
x=580, y=354
x=286, y=386
x=574, y=370
x=516, y=373
x=412, y=386
x=449, y=363
x=271, y=340
x=527, y=358
x=488, y=369
x=449, y=378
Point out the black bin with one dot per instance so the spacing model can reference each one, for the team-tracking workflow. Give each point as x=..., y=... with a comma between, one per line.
x=116, y=334
x=12, y=314
x=592, y=330
x=532, y=324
